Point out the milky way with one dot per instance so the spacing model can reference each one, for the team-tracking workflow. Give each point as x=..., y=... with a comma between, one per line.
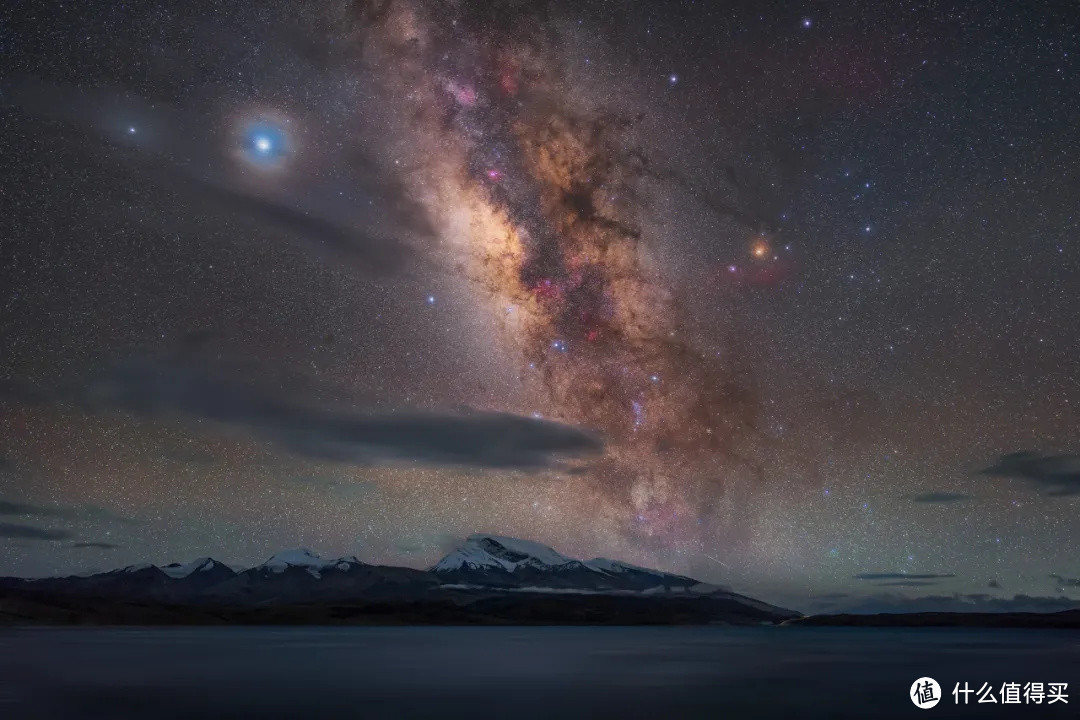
x=553, y=193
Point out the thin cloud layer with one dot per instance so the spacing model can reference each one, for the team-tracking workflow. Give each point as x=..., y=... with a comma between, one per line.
x=939, y=498
x=902, y=576
x=85, y=513
x=972, y=602
x=1057, y=475
x=336, y=432
x=31, y=532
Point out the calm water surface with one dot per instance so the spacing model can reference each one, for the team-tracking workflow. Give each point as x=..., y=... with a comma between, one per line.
x=455, y=672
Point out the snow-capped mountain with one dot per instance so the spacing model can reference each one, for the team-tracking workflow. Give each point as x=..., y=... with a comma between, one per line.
x=198, y=574
x=486, y=577
x=299, y=558
x=492, y=552
x=303, y=575
x=182, y=570
x=311, y=561
x=495, y=561
x=175, y=580
x=201, y=567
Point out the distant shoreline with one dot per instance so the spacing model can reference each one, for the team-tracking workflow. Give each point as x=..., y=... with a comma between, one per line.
x=23, y=607
x=26, y=608
x=1065, y=619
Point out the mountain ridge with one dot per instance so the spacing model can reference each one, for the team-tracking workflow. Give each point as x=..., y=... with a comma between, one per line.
x=487, y=576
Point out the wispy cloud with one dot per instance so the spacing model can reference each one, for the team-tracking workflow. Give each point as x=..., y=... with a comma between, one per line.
x=338, y=431
x=30, y=532
x=84, y=513
x=382, y=245
x=1059, y=475
x=902, y=576
x=889, y=602
x=908, y=583
x=938, y=497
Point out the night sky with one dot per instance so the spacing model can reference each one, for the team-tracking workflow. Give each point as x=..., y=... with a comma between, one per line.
x=780, y=295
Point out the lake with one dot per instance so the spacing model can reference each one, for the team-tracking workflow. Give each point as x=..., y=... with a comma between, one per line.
x=564, y=672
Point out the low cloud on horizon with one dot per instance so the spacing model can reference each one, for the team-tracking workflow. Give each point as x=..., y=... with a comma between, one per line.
x=888, y=602
x=902, y=576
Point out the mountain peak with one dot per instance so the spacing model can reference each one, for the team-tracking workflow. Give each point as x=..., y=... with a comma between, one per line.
x=301, y=557
x=309, y=560
x=482, y=566
x=140, y=567
x=182, y=570
x=497, y=552
x=345, y=564
x=501, y=561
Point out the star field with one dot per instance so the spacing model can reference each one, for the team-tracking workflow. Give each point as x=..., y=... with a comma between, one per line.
x=772, y=288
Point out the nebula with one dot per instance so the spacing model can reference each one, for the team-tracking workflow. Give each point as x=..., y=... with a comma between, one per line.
x=543, y=197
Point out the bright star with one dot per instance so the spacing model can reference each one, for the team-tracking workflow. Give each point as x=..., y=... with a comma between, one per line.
x=807, y=22
x=673, y=78
x=131, y=130
x=265, y=144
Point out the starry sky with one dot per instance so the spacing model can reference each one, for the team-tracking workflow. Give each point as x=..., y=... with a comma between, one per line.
x=779, y=295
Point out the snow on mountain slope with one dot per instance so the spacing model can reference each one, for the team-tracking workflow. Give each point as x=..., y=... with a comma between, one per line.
x=182, y=570
x=495, y=552
x=301, y=557
x=134, y=568
x=488, y=567
x=345, y=563
x=310, y=561
x=618, y=566
x=494, y=561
